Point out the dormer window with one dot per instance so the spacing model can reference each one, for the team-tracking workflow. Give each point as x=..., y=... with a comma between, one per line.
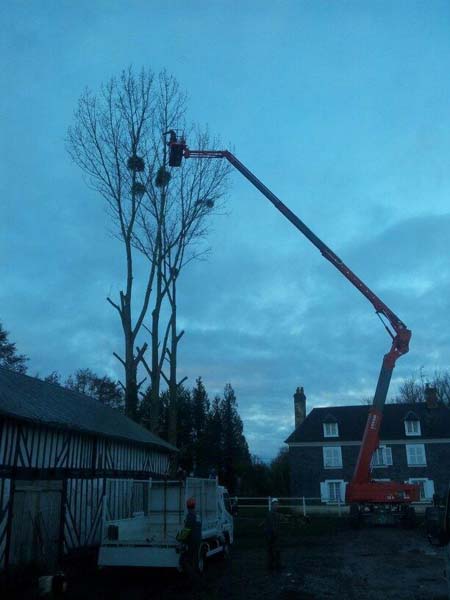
x=330, y=429
x=412, y=425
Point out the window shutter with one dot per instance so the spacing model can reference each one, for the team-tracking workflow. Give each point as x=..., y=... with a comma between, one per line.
x=423, y=458
x=375, y=459
x=323, y=491
x=388, y=455
x=409, y=457
x=343, y=487
x=429, y=489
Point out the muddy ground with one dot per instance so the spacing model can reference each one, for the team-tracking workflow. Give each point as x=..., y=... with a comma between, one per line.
x=322, y=560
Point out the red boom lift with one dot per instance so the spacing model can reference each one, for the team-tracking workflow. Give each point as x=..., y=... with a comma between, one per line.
x=368, y=498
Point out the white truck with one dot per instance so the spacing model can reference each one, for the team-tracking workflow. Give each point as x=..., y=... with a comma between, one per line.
x=142, y=519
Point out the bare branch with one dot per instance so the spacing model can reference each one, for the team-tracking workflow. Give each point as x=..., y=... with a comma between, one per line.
x=116, y=306
x=147, y=368
x=119, y=359
x=140, y=352
x=164, y=349
x=141, y=382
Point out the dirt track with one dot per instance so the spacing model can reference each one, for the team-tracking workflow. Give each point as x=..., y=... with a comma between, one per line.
x=324, y=560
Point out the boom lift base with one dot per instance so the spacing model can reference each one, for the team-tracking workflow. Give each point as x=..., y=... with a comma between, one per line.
x=382, y=514
x=389, y=492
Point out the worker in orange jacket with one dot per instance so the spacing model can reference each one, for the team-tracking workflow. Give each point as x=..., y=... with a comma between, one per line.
x=192, y=537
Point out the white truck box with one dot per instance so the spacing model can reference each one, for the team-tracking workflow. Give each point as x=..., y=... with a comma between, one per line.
x=141, y=520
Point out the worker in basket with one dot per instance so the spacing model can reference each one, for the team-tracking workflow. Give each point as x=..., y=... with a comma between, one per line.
x=190, y=536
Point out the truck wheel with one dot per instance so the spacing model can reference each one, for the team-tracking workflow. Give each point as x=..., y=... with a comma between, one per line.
x=226, y=549
x=201, y=560
x=355, y=516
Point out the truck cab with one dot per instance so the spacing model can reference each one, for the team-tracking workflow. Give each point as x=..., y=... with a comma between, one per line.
x=225, y=513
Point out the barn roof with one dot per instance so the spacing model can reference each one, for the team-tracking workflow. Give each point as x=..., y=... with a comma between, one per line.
x=434, y=422
x=29, y=398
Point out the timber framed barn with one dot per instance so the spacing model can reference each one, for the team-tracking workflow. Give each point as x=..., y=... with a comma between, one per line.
x=58, y=448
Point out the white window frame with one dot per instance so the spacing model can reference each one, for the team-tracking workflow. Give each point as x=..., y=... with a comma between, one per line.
x=412, y=427
x=385, y=452
x=412, y=449
x=325, y=491
x=427, y=487
x=330, y=430
x=335, y=454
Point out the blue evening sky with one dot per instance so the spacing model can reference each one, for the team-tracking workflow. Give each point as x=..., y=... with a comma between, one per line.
x=342, y=108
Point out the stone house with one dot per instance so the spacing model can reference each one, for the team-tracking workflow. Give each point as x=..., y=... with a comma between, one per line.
x=414, y=448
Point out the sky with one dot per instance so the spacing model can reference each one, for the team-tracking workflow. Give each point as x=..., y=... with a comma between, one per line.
x=341, y=108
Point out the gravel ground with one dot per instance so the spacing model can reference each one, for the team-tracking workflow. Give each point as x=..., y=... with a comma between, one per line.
x=323, y=560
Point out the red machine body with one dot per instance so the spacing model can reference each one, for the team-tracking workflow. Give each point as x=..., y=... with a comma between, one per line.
x=361, y=492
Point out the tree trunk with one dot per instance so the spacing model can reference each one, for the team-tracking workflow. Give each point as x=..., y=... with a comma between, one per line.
x=131, y=391
x=156, y=368
x=155, y=375
x=173, y=387
x=156, y=360
x=131, y=397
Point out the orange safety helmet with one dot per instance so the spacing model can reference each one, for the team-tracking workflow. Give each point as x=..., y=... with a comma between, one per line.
x=190, y=502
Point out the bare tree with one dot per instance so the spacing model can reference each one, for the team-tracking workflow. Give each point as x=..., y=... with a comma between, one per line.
x=118, y=139
x=441, y=381
x=180, y=203
x=109, y=140
x=413, y=389
x=199, y=189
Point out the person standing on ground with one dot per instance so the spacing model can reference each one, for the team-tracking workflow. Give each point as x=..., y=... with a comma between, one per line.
x=272, y=532
x=193, y=534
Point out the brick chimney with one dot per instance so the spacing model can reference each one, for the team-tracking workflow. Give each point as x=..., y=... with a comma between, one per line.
x=299, y=406
x=431, y=396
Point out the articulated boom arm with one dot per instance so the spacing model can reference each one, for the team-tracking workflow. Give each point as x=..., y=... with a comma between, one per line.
x=401, y=335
